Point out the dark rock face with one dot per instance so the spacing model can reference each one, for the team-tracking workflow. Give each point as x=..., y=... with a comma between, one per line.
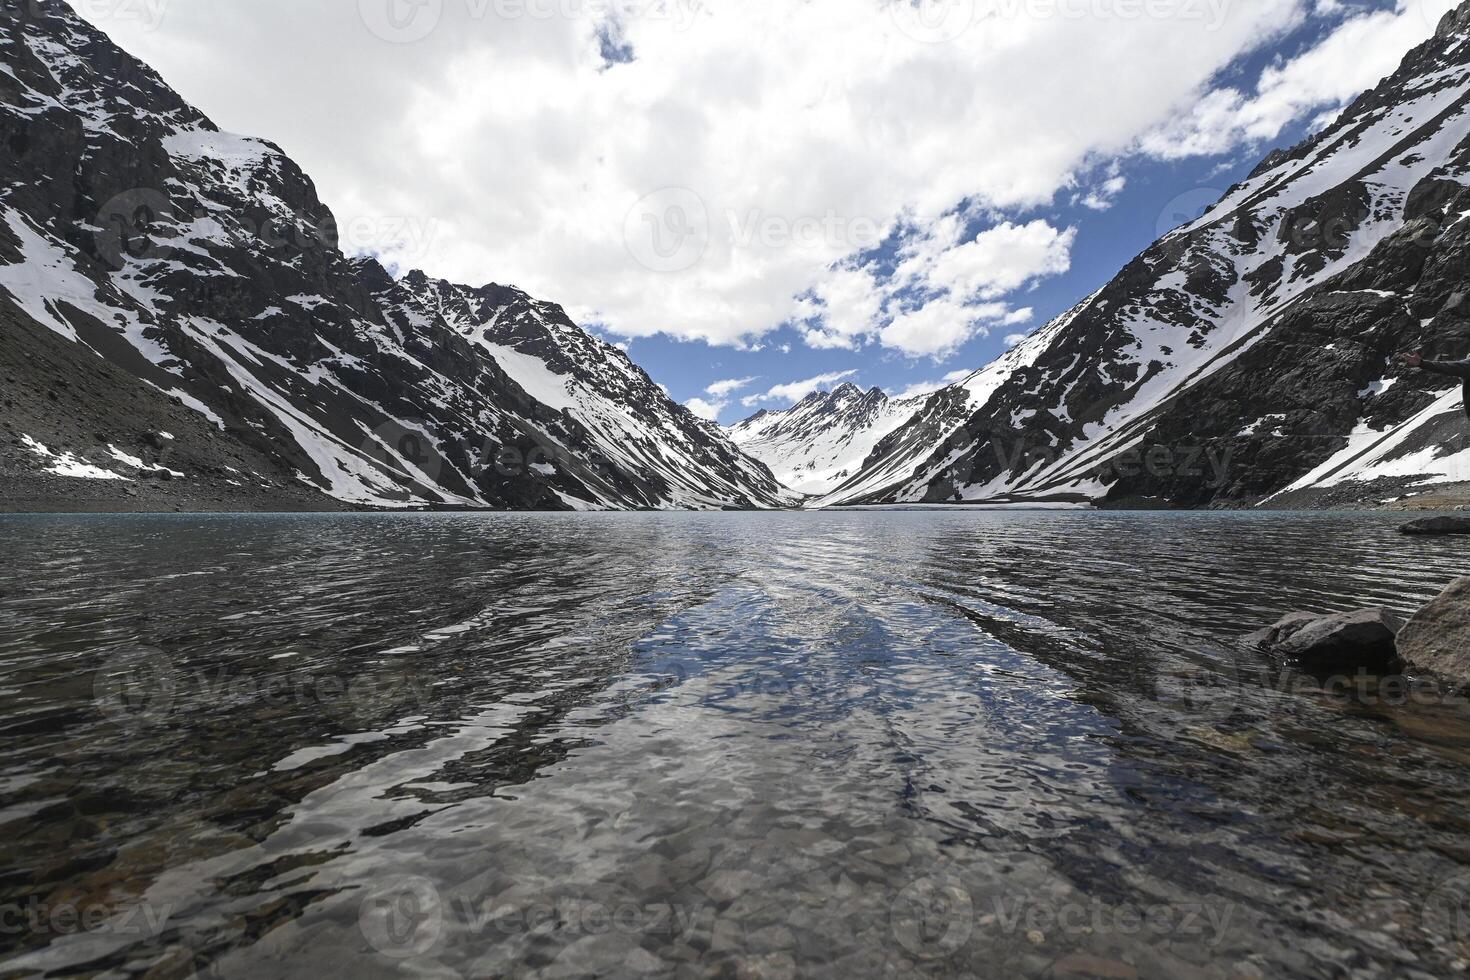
x=203, y=267
x=1438, y=525
x=1361, y=638
x=221, y=474
x=1437, y=638
x=1246, y=358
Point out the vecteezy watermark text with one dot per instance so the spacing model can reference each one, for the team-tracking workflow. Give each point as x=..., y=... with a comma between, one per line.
x=943, y=21
x=935, y=916
x=408, y=21
x=423, y=450
x=671, y=230
x=1210, y=463
x=144, y=687
x=146, y=14
x=144, y=224
x=408, y=916
x=40, y=918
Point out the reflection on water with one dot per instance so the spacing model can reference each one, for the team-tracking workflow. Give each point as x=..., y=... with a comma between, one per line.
x=904, y=744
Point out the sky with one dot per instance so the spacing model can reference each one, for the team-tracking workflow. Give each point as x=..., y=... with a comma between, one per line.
x=758, y=198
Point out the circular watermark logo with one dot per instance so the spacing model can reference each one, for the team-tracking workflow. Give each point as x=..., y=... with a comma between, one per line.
x=1210, y=695
x=1187, y=207
x=401, y=21
x=127, y=221
x=668, y=230
x=403, y=917
x=135, y=688
x=934, y=916
x=933, y=21
x=1446, y=911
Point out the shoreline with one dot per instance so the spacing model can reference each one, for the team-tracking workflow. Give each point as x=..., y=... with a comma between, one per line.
x=33, y=493
x=86, y=509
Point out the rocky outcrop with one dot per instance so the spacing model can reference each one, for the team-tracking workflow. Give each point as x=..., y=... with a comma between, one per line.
x=1361, y=638
x=1437, y=638
x=1438, y=525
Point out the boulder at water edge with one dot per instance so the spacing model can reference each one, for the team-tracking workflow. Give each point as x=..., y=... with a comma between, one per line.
x=1438, y=525
x=1267, y=638
x=1437, y=639
x=1362, y=638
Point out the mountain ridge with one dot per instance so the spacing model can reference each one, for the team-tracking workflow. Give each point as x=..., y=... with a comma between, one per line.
x=1243, y=359
x=1266, y=306
x=204, y=264
x=818, y=442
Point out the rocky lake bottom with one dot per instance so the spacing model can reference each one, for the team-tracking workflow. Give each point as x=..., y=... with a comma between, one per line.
x=731, y=745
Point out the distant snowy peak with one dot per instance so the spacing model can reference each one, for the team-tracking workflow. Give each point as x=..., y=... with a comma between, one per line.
x=824, y=439
x=846, y=404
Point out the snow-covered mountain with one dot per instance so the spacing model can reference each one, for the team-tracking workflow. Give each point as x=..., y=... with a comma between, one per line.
x=818, y=443
x=173, y=300
x=179, y=325
x=1247, y=357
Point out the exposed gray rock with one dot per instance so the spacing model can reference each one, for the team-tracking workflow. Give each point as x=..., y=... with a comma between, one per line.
x=1267, y=638
x=1364, y=637
x=1437, y=639
x=1438, y=525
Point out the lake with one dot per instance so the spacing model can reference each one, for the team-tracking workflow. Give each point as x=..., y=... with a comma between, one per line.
x=928, y=743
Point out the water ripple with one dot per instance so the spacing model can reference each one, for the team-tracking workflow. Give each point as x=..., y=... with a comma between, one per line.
x=938, y=744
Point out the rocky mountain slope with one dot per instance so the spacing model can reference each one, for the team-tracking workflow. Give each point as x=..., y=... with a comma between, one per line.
x=1245, y=358
x=821, y=441
x=181, y=327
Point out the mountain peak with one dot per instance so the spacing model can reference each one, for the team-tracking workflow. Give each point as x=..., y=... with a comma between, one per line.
x=418, y=391
x=1454, y=21
x=822, y=440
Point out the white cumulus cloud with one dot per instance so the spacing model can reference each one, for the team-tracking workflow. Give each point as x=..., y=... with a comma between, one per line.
x=709, y=411
x=1325, y=78
x=929, y=387
x=700, y=169
x=719, y=398
x=795, y=391
x=722, y=389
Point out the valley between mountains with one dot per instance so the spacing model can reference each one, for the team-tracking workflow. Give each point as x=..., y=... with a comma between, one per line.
x=182, y=331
